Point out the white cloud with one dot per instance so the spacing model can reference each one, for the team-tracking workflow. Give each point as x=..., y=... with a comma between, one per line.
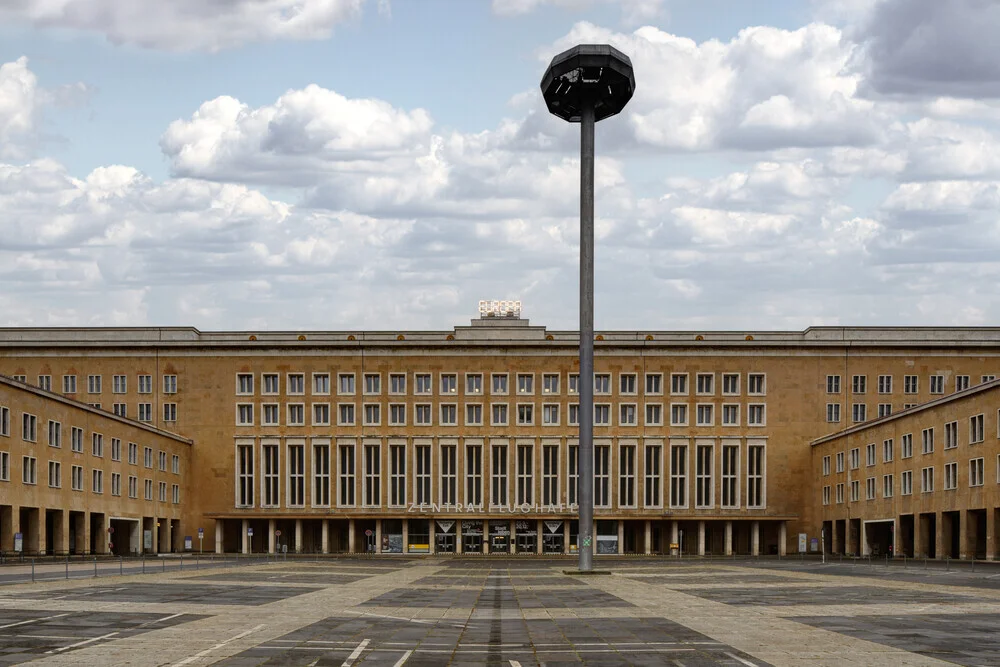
x=186, y=25
x=19, y=109
x=633, y=11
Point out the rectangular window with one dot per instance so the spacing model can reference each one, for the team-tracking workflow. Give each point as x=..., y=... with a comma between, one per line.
x=627, y=414
x=244, y=384
x=69, y=384
x=602, y=383
x=706, y=383
x=244, y=475
x=345, y=384
x=906, y=483
x=397, y=475
x=525, y=414
x=911, y=385
x=855, y=490
x=175, y=464
x=573, y=417
x=423, y=383
x=474, y=384
x=270, y=456
x=93, y=384
x=987, y=378
x=169, y=384
x=76, y=478
x=422, y=474
x=169, y=412
x=146, y=384
x=4, y=421
x=525, y=474
x=499, y=383
x=116, y=449
x=296, y=475
x=449, y=475
x=145, y=412
x=29, y=429
x=704, y=414
x=449, y=384
x=602, y=414
x=76, y=439
x=826, y=495
x=951, y=435
x=870, y=488
x=885, y=384
x=271, y=383
x=163, y=492
x=703, y=496
x=550, y=383
x=928, y=440
x=244, y=414
x=97, y=482
x=627, y=383
x=679, y=383
x=887, y=451
x=906, y=446
x=347, y=474
x=147, y=485
x=950, y=476
x=840, y=493
x=654, y=414
x=525, y=383
x=833, y=413
x=55, y=434
x=116, y=484
x=474, y=475
x=45, y=382
x=756, y=385
x=397, y=414
x=977, y=472
x=133, y=486
x=826, y=465
x=870, y=454
x=373, y=383
x=961, y=382
x=755, y=476
x=449, y=415
x=498, y=475
x=855, y=458
x=423, y=414
x=175, y=494
x=297, y=414
x=887, y=486
x=859, y=412
x=133, y=453
x=840, y=461
x=373, y=476
x=859, y=384
x=4, y=466
x=550, y=414
x=473, y=414
x=652, y=475
x=884, y=409
x=269, y=414
x=373, y=414
x=119, y=384
x=321, y=383
x=296, y=384
x=678, y=414
x=345, y=414
x=678, y=475
x=573, y=473
x=97, y=444
x=977, y=432
x=499, y=414
x=573, y=383
x=120, y=409
x=833, y=384
x=730, y=384
x=937, y=384
x=654, y=383
x=55, y=474
x=397, y=383
x=927, y=480
x=756, y=414
x=550, y=475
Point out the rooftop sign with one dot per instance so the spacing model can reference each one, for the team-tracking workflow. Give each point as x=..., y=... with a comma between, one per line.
x=500, y=309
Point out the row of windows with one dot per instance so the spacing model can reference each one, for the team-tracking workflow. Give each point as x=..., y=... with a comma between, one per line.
x=95, y=383
x=29, y=475
x=500, y=414
x=524, y=383
x=911, y=383
x=508, y=466
x=859, y=411
x=976, y=478
x=927, y=442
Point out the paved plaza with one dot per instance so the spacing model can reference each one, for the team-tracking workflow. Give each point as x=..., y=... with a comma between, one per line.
x=511, y=612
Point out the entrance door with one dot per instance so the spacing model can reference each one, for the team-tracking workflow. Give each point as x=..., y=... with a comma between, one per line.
x=527, y=543
x=552, y=543
x=446, y=543
x=370, y=542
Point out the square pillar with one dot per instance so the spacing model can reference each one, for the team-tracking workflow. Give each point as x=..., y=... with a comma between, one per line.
x=378, y=536
x=513, y=535
x=782, y=538
x=486, y=536
x=298, y=536
x=539, y=534
x=755, y=538
x=458, y=536
x=272, y=528
x=566, y=536
x=246, y=535
x=350, y=536
x=835, y=540
x=406, y=536
x=919, y=538
x=62, y=540
x=325, y=544
x=431, y=536
x=218, y=535
x=647, y=538
x=701, y=538
x=992, y=517
x=621, y=537
x=939, y=536
x=897, y=540
x=729, y=538
x=10, y=523
x=675, y=536
x=40, y=528
x=863, y=537
x=966, y=532
x=85, y=534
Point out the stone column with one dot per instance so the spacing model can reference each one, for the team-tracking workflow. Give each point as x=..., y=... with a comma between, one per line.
x=40, y=528
x=729, y=538
x=835, y=540
x=11, y=523
x=919, y=539
x=675, y=536
x=539, y=534
x=621, y=537
x=486, y=536
x=219, y=531
x=378, y=536
x=863, y=538
x=325, y=545
x=782, y=538
x=648, y=537
x=897, y=541
x=298, y=536
x=63, y=538
x=991, y=533
x=566, y=536
x=939, y=536
x=513, y=535
x=701, y=538
x=431, y=536
x=458, y=536
x=351, y=547
x=965, y=533
x=246, y=536
x=168, y=533
x=272, y=527
x=755, y=538
x=406, y=536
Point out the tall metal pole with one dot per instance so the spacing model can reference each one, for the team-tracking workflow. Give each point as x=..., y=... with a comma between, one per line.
x=585, y=453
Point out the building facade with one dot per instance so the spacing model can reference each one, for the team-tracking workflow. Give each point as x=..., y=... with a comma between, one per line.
x=77, y=480
x=464, y=440
x=922, y=483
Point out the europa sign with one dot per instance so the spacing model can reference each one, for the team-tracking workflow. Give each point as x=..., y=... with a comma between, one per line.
x=499, y=308
x=524, y=508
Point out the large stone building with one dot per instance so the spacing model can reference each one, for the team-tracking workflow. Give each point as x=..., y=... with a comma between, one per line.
x=465, y=439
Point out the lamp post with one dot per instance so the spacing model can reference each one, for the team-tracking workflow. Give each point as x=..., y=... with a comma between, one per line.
x=583, y=85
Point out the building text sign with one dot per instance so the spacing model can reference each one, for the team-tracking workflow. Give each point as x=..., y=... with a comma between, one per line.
x=524, y=508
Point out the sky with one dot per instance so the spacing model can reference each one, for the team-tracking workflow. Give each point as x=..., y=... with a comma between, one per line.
x=304, y=165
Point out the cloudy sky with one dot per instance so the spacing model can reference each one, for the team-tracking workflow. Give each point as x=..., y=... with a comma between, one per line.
x=385, y=164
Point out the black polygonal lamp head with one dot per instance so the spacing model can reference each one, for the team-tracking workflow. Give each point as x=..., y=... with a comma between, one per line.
x=597, y=74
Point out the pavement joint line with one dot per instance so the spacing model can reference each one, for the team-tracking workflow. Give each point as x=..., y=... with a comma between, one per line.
x=33, y=620
x=402, y=660
x=82, y=643
x=205, y=652
x=356, y=653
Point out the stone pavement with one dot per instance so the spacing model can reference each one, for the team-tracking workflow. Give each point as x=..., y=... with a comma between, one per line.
x=513, y=612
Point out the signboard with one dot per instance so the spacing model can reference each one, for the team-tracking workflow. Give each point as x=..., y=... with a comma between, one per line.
x=803, y=540
x=18, y=542
x=445, y=526
x=524, y=527
x=250, y=531
x=553, y=526
x=814, y=544
x=147, y=539
x=277, y=533
x=201, y=533
x=369, y=533
x=495, y=308
x=188, y=543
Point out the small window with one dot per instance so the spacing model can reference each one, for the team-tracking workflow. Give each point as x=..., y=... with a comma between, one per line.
x=654, y=414
x=550, y=414
x=756, y=414
x=297, y=384
x=473, y=414
x=423, y=383
x=525, y=383
x=169, y=384
x=244, y=384
x=730, y=414
x=961, y=382
x=449, y=384
x=977, y=472
x=911, y=384
x=145, y=412
x=423, y=414
x=397, y=414
x=602, y=414
x=320, y=414
x=244, y=414
x=45, y=382
x=937, y=384
x=373, y=384
x=499, y=383
x=950, y=476
x=833, y=384
x=859, y=412
x=602, y=383
x=373, y=414
x=654, y=383
x=704, y=414
x=498, y=414
x=474, y=384
x=269, y=414
x=449, y=414
x=706, y=383
x=756, y=385
x=321, y=384
x=885, y=384
x=730, y=384
x=94, y=384
x=859, y=384
x=345, y=414
x=679, y=383
x=69, y=384
x=271, y=382
x=678, y=414
x=525, y=414
x=833, y=413
x=573, y=383
x=550, y=383
x=627, y=383
x=146, y=384
x=627, y=414
x=345, y=384
x=169, y=412
x=976, y=429
x=397, y=384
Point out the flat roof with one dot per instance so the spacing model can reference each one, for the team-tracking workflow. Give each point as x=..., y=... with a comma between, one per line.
x=23, y=386
x=937, y=402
